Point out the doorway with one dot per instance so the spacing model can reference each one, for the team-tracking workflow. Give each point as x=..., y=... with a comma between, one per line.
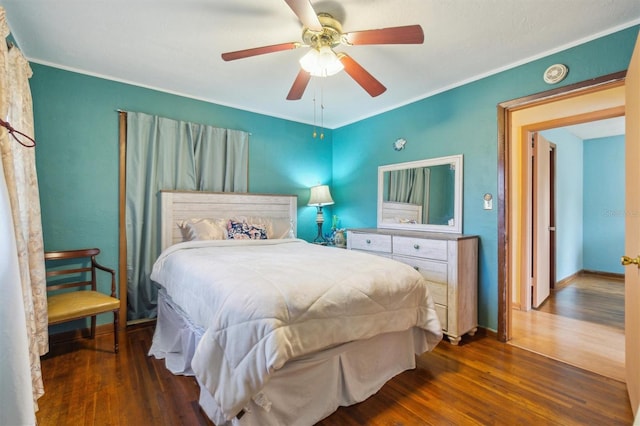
x=579, y=103
x=581, y=322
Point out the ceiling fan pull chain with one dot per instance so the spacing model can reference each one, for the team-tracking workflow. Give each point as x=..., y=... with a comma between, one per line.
x=315, y=133
x=321, y=109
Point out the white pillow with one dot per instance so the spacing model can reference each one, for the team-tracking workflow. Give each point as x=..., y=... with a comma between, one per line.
x=203, y=229
x=282, y=228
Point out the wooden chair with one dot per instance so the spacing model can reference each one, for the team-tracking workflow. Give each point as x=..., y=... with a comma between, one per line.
x=77, y=268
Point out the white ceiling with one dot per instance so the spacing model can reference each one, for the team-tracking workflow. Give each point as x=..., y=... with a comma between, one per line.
x=598, y=129
x=175, y=45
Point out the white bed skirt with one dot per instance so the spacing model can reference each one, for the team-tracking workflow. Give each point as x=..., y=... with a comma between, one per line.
x=306, y=389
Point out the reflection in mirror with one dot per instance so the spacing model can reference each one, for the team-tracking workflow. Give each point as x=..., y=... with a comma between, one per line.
x=422, y=195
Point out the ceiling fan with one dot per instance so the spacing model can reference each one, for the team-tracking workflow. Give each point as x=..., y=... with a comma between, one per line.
x=322, y=33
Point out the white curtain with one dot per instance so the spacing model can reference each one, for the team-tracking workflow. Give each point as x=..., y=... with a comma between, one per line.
x=168, y=154
x=23, y=305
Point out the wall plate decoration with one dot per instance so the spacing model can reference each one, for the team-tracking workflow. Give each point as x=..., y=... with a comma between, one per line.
x=555, y=73
x=398, y=145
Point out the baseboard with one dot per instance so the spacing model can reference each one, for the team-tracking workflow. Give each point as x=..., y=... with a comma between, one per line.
x=102, y=329
x=483, y=331
x=567, y=280
x=136, y=324
x=608, y=275
x=141, y=321
x=587, y=272
x=79, y=333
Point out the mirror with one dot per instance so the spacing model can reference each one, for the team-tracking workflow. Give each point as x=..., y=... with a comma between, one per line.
x=424, y=195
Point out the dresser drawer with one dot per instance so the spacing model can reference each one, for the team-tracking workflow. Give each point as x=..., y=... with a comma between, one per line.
x=375, y=253
x=438, y=292
x=441, y=311
x=430, y=270
x=429, y=249
x=370, y=242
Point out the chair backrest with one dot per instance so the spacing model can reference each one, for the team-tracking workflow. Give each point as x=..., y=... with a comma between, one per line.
x=71, y=268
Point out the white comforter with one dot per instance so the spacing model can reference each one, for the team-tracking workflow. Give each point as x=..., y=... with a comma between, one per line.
x=265, y=302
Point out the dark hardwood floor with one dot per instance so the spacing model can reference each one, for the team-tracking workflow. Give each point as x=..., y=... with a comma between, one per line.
x=480, y=382
x=591, y=298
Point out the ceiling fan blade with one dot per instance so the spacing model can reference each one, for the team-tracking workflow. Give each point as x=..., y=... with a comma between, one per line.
x=246, y=53
x=410, y=34
x=305, y=13
x=361, y=76
x=299, y=85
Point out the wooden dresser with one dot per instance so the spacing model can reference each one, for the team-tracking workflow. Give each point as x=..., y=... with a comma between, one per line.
x=449, y=262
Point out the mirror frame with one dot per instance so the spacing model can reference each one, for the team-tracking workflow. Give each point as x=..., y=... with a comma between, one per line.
x=457, y=162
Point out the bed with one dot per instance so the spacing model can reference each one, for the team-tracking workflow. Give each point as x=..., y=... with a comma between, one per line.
x=279, y=331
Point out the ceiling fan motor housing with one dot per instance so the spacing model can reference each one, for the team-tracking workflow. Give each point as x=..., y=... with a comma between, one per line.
x=331, y=34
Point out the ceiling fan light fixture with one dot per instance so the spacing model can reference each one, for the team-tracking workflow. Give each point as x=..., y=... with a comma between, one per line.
x=322, y=62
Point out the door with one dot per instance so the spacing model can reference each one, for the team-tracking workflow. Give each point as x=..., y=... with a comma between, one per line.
x=541, y=220
x=632, y=229
x=552, y=217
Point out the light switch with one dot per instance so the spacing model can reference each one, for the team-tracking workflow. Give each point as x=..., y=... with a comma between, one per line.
x=488, y=201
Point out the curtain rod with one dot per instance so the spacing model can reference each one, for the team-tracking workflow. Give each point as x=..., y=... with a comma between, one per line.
x=124, y=111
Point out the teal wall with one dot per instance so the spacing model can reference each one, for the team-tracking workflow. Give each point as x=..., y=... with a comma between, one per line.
x=569, y=202
x=76, y=127
x=604, y=204
x=460, y=121
x=77, y=155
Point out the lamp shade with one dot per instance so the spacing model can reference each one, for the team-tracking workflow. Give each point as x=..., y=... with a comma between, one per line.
x=320, y=196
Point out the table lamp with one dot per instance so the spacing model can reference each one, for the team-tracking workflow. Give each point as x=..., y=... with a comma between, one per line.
x=320, y=196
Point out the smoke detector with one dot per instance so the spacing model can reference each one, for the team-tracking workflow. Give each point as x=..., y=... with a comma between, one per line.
x=555, y=73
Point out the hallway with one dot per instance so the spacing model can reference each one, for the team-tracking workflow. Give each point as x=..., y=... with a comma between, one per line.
x=582, y=324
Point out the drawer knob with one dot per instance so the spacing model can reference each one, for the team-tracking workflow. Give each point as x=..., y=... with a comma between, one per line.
x=416, y=246
x=368, y=241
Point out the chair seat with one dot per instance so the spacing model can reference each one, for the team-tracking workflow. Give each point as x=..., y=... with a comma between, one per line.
x=79, y=304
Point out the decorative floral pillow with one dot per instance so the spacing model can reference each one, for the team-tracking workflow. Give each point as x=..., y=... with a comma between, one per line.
x=245, y=231
x=257, y=221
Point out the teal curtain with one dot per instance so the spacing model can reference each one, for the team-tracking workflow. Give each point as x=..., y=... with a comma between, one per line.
x=221, y=157
x=168, y=154
x=411, y=186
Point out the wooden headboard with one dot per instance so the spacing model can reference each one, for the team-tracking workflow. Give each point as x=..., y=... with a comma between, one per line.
x=394, y=212
x=183, y=205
